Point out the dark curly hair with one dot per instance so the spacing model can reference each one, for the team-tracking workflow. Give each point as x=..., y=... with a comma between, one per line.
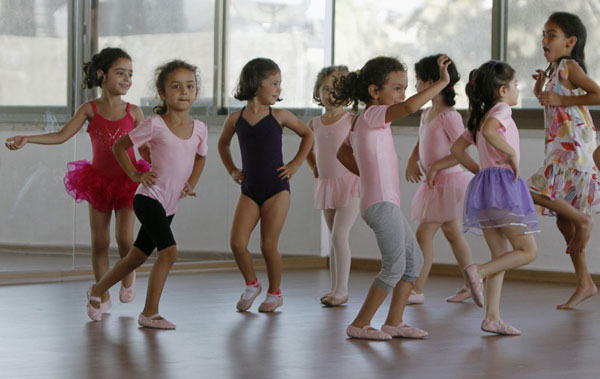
x=427, y=69
x=253, y=73
x=571, y=25
x=160, y=75
x=101, y=61
x=354, y=88
x=324, y=74
x=482, y=90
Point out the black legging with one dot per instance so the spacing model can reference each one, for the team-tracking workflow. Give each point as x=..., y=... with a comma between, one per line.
x=156, y=225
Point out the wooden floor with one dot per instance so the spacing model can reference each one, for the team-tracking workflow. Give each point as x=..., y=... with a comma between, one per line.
x=45, y=333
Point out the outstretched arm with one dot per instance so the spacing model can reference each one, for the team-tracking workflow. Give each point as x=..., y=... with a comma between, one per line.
x=83, y=114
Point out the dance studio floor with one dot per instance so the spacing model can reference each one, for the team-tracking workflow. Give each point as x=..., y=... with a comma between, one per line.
x=45, y=333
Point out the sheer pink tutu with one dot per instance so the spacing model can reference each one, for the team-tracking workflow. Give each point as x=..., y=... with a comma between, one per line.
x=443, y=202
x=103, y=191
x=335, y=193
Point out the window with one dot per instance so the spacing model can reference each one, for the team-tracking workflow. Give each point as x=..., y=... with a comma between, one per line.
x=33, y=58
x=413, y=30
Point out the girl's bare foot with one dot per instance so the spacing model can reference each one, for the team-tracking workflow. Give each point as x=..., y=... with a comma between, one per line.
x=581, y=293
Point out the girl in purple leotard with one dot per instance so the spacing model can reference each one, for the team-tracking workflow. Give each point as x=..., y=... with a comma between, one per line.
x=264, y=177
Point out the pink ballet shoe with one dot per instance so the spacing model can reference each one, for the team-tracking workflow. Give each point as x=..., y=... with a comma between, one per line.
x=499, y=327
x=245, y=304
x=105, y=306
x=404, y=331
x=94, y=313
x=324, y=296
x=126, y=295
x=415, y=298
x=154, y=322
x=271, y=303
x=367, y=333
x=333, y=301
x=462, y=295
x=476, y=284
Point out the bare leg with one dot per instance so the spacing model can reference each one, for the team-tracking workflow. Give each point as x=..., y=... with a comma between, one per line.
x=525, y=250
x=100, y=231
x=425, y=233
x=121, y=269
x=272, y=215
x=157, y=279
x=462, y=251
x=399, y=300
x=244, y=221
x=498, y=245
x=375, y=297
x=585, y=285
x=124, y=222
x=584, y=224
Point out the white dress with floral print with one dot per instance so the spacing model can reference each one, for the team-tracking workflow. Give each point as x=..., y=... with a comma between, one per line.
x=569, y=171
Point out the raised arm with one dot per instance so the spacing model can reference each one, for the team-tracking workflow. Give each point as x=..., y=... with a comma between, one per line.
x=459, y=151
x=578, y=79
x=292, y=122
x=83, y=114
x=415, y=102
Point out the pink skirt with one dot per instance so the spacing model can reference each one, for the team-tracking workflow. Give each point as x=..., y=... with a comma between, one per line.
x=104, y=192
x=444, y=202
x=335, y=193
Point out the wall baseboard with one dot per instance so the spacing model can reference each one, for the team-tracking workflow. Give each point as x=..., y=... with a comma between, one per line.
x=32, y=277
x=520, y=274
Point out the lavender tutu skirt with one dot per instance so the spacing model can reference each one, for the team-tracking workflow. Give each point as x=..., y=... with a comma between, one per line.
x=493, y=200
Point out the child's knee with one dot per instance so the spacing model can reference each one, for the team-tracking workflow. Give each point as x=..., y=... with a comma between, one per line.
x=238, y=246
x=381, y=284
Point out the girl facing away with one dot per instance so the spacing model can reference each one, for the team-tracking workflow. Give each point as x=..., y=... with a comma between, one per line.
x=497, y=201
x=369, y=151
x=178, y=147
x=264, y=178
x=567, y=183
x=102, y=183
x=438, y=202
x=336, y=188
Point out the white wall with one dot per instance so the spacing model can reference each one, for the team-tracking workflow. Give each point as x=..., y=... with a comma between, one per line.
x=37, y=211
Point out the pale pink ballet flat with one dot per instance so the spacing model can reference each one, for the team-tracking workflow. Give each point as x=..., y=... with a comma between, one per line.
x=245, y=304
x=404, y=331
x=105, y=306
x=270, y=306
x=462, y=295
x=476, y=284
x=367, y=333
x=416, y=298
x=94, y=313
x=324, y=296
x=499, y=327
x=126, y=295
x=154, y=322
x=333, y=301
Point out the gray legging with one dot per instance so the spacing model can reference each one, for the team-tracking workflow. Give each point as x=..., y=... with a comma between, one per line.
x=401, y=257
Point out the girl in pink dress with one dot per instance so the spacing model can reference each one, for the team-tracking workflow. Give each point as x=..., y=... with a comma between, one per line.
x=369, y=152
x=178, y=147
x=336, y=188
x=497, y=202
x=438, y=202
x=102, y=183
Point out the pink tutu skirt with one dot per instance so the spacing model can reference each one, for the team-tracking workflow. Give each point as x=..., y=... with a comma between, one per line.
x=444, y=202
x=335, y=193
x=104, y=192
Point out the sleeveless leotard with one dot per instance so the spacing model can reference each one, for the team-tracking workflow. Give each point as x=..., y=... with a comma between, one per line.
x=103, y=183
x=260, y=145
